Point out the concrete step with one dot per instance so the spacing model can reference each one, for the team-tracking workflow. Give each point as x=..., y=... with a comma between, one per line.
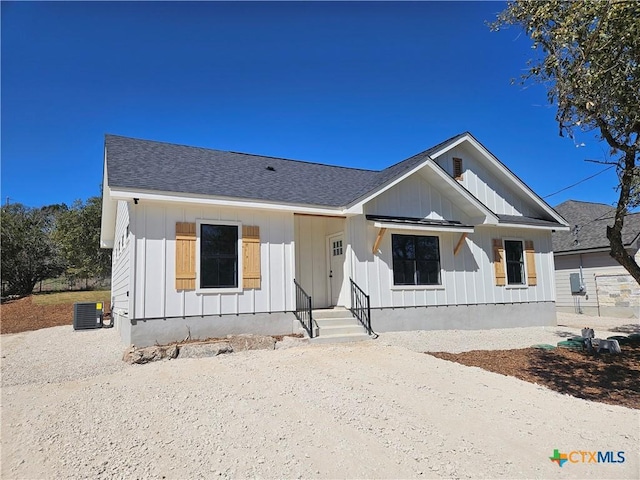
x=337, y=321
x=337, y=312
x=340, y=329
x=350, y=337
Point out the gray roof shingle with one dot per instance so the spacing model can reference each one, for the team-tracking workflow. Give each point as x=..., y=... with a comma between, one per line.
x=592, y=220
x=166, y=167
x=201, y=171
x=149, y=165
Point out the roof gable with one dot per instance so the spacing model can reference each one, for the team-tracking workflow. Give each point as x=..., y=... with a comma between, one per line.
x=501, y=180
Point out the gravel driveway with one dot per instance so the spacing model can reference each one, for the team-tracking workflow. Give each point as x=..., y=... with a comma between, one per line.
x=379, y=409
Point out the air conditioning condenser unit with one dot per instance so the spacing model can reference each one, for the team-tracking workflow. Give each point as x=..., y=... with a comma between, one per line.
x=87, y=315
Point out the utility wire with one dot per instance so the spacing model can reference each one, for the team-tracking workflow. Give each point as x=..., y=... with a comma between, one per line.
x=578, y=183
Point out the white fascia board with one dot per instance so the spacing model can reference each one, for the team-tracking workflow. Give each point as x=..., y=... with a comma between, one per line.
x=221, y=202
x=423, y=228
x=559, y=228
x=523, y=187
x=109, y=212
x=451, y=145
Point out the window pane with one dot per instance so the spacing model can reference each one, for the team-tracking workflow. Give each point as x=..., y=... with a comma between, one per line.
x=427, y=248
x=403, y=247
x=227, y=272
x=416, y=260
x=514, y=273
x=220, y=239
x=513, y=250
x=404, y=272
x=218, y=256
x=428, y=272
x=515, y=262
x=208, y=272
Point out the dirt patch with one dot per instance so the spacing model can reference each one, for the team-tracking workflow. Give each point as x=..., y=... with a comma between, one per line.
x=24, y=315
x=612, y=379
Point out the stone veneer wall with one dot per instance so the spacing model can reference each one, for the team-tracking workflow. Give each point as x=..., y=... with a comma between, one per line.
x=618, y=293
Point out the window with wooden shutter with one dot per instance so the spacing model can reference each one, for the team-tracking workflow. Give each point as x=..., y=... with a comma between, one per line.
x=531, y=263
x=498, y=265
x=185, y=256
x=250, y=256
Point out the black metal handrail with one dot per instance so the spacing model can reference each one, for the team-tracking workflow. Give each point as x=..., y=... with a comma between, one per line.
x=361, y=306
x=304, y=311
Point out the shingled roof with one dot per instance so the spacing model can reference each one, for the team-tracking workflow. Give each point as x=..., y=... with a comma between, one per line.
x=158, y=166
x=591, y=220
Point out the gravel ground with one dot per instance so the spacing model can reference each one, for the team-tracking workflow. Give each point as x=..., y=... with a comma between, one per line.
x=456, y=341
x=379, y=409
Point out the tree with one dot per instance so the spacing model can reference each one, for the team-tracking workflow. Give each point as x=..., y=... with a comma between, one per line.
x=589, y=61
x=77, y=233
x=29, y=254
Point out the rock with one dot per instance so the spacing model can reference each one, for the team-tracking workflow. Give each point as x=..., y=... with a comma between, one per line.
x=172, y=351
x=290, y=342
x=240, y=343
x=198, y=350
x=149, y=354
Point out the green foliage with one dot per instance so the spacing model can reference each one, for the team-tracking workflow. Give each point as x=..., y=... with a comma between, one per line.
x=29, y=253
x=587, y=55
x=77, y=234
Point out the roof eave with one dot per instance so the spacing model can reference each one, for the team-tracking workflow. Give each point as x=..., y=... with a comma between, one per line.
x=183, y=198
x=109, y=210
x=553, y=228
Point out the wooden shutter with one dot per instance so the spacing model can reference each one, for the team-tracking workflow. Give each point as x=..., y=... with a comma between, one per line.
x=498, y=265
x=185, y=256
x=531, y=263
x=250, y=257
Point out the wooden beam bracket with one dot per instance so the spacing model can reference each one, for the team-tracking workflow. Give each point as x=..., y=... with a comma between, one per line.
x=459, y=244
x=376, y=244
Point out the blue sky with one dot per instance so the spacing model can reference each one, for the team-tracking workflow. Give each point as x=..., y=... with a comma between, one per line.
x=355, y=84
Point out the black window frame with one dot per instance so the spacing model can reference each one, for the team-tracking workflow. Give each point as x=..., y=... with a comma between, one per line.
x=211, y=280
x=514, y=265
x=409, y=266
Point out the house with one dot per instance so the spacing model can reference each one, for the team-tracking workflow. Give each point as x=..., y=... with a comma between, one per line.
x=601, y=285
x=208, y=243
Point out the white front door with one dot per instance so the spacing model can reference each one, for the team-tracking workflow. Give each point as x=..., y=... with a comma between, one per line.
x=336, y=266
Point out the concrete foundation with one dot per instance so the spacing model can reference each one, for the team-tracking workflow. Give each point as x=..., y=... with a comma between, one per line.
x=122, y=324
x=464, y=317
x=144, y=333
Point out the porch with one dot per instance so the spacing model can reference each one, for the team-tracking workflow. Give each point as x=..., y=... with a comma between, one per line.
x=325, y=302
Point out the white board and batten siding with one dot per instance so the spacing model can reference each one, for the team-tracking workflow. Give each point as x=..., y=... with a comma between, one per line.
x=415, y=197
x=466, y=278
x=312, y=273
x=121, y=262
x=481, y=179
x=155, y=257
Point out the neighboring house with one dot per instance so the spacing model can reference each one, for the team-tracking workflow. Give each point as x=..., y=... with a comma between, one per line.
x=607, y=288
x=208, y=243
